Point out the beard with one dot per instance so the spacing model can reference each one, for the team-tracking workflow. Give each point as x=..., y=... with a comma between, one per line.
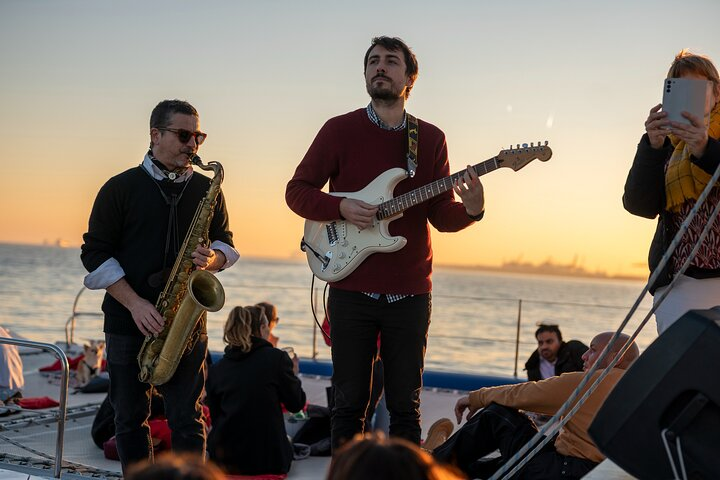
x=547, y=354
x=384, y=93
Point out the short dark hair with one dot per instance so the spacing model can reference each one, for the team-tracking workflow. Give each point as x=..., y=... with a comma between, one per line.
x=394, y=44
x=549, y=328
x=160, y=116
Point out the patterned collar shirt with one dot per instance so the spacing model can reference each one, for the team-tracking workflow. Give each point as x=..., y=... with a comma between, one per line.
x=373, y=116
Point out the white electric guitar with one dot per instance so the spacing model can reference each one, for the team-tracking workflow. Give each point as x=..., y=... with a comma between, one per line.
x=335, y=249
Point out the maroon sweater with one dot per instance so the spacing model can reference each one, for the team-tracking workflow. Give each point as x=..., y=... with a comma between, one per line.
x=350, y=151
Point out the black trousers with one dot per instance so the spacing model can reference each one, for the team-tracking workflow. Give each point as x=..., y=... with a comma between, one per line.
x=356, y=319
x=130, y=398
x=498, y=427
x=376, y=391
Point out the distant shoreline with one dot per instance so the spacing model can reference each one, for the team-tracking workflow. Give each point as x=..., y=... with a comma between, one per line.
x=544, y=269
x=525, y=268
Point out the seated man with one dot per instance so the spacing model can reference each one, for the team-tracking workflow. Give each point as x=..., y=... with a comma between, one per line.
x=500, y=426
x=553, y=356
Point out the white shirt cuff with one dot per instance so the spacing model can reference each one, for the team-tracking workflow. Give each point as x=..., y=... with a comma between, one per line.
x=231, y=255
x=105, y=275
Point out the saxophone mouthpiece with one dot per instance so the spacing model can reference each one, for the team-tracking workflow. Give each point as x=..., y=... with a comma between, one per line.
x=196, y=160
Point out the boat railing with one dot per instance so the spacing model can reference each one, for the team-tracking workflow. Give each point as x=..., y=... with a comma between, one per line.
x=70, y=323
x=316, y=299
x=64, y=381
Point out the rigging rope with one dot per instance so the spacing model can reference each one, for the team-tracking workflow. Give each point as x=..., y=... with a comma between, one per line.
x=558, y=421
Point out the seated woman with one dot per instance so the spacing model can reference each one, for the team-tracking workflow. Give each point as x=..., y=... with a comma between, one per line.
x=273, y=319
x=244, y=392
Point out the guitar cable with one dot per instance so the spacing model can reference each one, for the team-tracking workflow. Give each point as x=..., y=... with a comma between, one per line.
x=312, y=305
x=322, y=258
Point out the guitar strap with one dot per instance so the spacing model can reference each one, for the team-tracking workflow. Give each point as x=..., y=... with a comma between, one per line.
x=412, y=128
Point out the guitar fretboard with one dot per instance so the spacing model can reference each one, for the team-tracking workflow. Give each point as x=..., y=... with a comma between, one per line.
x=399, y=204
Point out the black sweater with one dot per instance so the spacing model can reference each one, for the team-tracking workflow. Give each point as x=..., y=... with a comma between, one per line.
x=129, y=222
x=244, y=393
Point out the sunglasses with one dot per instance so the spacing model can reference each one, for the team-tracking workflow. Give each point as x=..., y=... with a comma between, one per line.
x=185, y=135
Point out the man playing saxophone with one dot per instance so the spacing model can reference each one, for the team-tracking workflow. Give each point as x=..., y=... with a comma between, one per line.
x=135, y=234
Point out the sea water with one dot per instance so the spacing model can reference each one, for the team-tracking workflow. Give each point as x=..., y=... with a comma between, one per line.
x=474, y=320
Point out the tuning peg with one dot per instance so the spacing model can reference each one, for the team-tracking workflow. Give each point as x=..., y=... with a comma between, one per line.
x=532, y=144
x=546, y=142
x=517, y=146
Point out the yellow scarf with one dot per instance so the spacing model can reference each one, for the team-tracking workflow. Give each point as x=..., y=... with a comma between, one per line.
x=683, y=179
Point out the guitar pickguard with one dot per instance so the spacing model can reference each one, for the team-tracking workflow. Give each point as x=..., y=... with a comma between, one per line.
x=334, y=249
x=342, y=246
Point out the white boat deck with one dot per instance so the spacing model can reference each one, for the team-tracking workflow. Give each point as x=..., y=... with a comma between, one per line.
x=33, y=433
x=20, y=439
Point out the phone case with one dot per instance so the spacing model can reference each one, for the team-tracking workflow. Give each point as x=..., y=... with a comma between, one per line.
x=684, y=95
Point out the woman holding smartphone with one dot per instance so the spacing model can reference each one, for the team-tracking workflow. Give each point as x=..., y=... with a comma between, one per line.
x=672, y=166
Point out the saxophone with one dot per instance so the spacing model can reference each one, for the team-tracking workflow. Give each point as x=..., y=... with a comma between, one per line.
x=187, y=294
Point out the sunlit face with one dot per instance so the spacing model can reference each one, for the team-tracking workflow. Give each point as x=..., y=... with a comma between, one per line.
x=386, y=74
x=548, y=345
x=167, y=147
x=596, y=347
x=711, y=97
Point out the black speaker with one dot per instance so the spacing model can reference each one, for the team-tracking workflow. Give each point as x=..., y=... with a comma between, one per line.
x=672, y=390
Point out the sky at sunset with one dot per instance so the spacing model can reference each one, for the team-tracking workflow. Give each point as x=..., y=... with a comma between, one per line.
x=79, y=79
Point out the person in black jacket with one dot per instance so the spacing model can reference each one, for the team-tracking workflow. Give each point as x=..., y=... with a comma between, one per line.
x=245, y=390
x=673, y=164
x=135, y=234
x=553, y=356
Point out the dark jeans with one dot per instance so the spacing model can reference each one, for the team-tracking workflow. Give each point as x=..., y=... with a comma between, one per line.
x=130, y=399
x=376, y=391
x=356, y=319
x=498, y=427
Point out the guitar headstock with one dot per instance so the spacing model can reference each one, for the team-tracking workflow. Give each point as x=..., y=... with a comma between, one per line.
x=516, y=158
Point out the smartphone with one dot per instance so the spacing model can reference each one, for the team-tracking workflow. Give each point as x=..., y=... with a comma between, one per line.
x=684, y=95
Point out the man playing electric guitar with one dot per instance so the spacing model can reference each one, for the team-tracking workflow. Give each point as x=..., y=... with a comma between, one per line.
x=387, y=293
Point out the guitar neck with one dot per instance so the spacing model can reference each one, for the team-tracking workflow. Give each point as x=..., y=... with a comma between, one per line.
x=399, y=204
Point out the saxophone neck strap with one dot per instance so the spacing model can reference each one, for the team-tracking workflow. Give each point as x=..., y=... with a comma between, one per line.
x=172, y=237
x=412, y=129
